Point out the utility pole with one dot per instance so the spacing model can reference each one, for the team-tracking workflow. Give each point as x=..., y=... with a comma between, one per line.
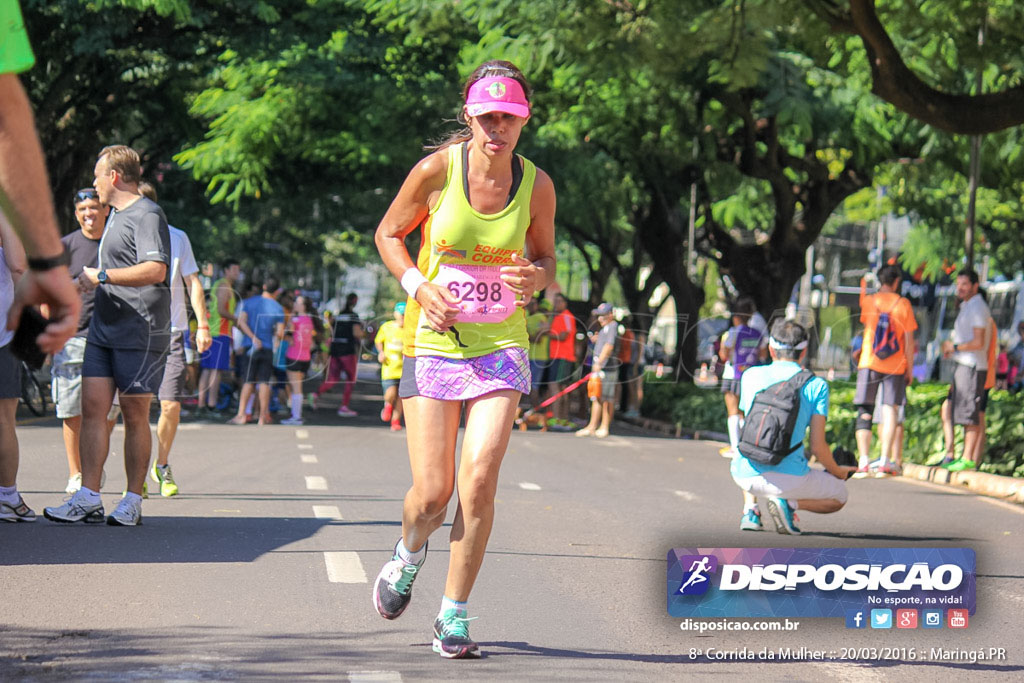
x=691, y=261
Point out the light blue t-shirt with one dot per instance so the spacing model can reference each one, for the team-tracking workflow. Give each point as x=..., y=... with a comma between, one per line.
x=813, y=401
x=263, y=315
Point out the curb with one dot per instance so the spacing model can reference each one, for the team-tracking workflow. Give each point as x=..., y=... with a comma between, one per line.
x=1009, y=489
x=673, y=430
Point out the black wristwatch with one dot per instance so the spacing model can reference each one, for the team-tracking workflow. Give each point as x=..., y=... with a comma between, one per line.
x=102, y=277
x=956, y=347
x=42, y=264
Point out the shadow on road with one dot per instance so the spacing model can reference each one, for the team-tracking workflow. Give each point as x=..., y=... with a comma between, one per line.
x=161, y=540
x=188, y=654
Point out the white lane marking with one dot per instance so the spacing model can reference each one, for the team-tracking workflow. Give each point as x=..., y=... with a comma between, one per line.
x=344, y=568
x=687, y=496
x=301, y=433
x=528, y=486
x=326, y=512
x=374, y=677
x=305, y=446
x=309, y=459
x=316, y=483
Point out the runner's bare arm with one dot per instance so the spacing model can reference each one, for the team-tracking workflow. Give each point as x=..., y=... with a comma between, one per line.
x=410, y=207
x=243, y=324
x=535, y=272
x=25, y=198
x=139, y=275
x=198, y=299
x=821, y=450
x=14, y=251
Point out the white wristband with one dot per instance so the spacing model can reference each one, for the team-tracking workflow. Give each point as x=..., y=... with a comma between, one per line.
x=411, y=281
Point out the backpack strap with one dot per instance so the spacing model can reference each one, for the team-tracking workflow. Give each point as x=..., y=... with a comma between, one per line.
x=797, y=382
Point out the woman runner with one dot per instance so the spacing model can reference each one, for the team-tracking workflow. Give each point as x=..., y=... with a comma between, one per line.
x=304, y=330
x=481, y=208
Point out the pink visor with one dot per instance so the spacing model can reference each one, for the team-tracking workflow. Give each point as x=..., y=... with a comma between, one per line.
x=497, y=94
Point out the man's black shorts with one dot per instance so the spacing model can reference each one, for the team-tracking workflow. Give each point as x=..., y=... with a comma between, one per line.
x=134, y=371
x=260, y=368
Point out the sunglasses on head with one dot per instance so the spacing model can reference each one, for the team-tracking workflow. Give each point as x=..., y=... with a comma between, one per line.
x=83, y=195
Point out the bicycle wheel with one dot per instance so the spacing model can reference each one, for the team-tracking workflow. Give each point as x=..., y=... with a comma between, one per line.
x=32, y=391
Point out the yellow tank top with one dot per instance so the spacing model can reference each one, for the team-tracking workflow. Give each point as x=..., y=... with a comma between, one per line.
x=456, y=234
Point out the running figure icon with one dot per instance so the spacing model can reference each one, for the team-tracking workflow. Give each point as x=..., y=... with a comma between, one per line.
x=698, y=570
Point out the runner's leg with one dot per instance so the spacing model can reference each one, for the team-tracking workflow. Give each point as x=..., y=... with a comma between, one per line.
x=333, y=375
x=350, y=365
x=8, y=442
x=166, y=429
x=488, y=428
x=72, y=435
x=433, y=428
x=97, y=397
x=138, y=442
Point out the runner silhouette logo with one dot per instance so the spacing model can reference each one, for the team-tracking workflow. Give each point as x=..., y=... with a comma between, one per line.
x=697, y=578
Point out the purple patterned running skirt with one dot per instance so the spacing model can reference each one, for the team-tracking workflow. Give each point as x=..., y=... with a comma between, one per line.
x=460, y=379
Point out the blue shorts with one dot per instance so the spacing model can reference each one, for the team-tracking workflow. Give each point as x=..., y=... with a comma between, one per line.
x=537, y=368
x=388, y=383
x=218, y=356
x=134, y=371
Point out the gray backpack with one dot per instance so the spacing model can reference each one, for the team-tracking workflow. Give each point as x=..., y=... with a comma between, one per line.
x=768, y=427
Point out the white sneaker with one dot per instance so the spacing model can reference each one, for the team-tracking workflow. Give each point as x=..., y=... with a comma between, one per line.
x=127, y=513
x=16, y=512
x=74, y=483
x=76, y=509
x=292, y=421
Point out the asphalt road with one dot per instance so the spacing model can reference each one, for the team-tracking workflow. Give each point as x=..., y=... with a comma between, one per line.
x=261, y=568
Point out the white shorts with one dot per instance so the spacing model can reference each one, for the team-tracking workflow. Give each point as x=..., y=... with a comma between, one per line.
x=815, y=485
x=66, y=376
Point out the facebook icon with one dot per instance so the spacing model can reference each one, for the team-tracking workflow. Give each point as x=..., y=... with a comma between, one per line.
x=855, y=618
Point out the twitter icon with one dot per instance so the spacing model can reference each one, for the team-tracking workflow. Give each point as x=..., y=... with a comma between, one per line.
x=881, y=618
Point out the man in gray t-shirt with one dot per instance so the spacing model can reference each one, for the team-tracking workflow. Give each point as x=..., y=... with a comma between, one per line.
x=605, y=367
x=969, y=351
x=128, y=337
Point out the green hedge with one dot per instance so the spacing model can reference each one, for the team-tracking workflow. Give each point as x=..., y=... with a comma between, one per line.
x=697, y=408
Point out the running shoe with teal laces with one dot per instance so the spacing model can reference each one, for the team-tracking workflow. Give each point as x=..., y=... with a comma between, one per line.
x=783, y=516
x=392, y=590
x=451, y=637
x=751, y=521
